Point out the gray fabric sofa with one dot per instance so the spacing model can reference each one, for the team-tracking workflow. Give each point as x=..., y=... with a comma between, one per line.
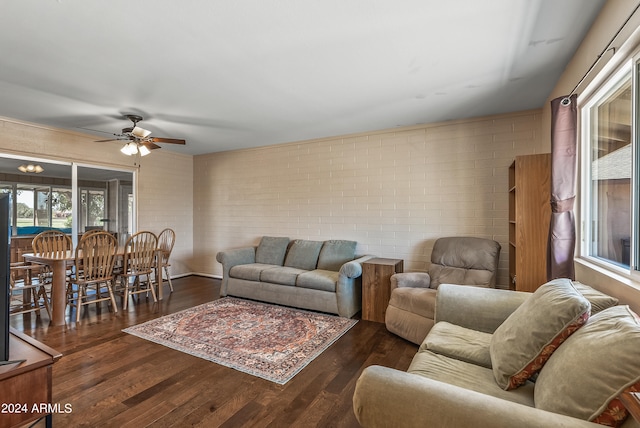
x=499, y=358
x=322, y=276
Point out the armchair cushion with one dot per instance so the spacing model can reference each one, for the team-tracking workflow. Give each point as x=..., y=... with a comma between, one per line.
x=466, y=375
x=464, y=260
x=460, y=343
x=584, y=377
x=271, y=250
x=455, y=275
x=523, y=343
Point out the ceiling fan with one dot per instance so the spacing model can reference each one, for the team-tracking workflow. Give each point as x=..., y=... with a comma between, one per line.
x=140, y=140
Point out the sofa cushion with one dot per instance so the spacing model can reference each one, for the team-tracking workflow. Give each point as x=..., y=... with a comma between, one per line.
x=335, y=253
x=250, y=272
x=303, y=254
x=521, y=345
x=466, y=375
x=460, y=343
x=281, y=275
x=318, y=279
x=271, y=250
x=586, y=374
x=599, y=301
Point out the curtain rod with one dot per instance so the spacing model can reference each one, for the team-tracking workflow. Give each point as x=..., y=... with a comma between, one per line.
x=566, y=100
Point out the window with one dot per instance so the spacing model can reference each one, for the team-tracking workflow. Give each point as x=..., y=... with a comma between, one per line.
x=609, y=171
x=61, y=208
x=94, y=199
x=42, y=206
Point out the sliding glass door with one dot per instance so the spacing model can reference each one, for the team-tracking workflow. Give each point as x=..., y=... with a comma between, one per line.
x=103, y=195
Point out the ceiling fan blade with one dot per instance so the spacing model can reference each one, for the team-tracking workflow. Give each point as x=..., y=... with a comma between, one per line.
x=96, y=130
x=167, y=140
x=111, y=139
x=151, y=146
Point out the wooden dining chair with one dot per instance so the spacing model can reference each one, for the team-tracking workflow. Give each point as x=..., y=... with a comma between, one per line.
x=166, y=239
x=50, y=243
x=26, y=291
x=91, y=231
x=138, y=264
x=95, y=257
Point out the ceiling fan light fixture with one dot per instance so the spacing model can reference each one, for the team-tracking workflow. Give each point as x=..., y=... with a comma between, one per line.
x=129, y=149
x=140, y=132
x=139, y=140
x=143, y=150
x=31, y=168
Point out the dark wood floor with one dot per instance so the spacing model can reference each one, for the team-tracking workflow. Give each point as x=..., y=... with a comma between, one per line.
x=113, y=379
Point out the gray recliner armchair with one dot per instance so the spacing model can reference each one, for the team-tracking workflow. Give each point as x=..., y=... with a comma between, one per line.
x=454, y=260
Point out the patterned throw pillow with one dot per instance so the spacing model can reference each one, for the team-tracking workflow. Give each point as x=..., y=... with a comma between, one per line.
x=524, y=342
x=584, y=377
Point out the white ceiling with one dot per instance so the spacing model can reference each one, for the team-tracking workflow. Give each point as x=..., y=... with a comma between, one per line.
x=233, y=74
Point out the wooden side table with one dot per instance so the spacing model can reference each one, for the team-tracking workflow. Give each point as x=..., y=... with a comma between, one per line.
x=376, y=286
x=26, y=387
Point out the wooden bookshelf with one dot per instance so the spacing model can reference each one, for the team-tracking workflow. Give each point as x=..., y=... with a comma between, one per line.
x=529, y=217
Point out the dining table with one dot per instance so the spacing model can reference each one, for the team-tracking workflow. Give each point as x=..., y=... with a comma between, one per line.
x=58, y=264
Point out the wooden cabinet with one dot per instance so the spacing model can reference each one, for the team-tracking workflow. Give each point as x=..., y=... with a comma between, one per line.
x=26, y=385
x=376, y=286
x=529, y=218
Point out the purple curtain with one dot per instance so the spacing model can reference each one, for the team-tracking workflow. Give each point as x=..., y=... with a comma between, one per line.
x=562, y=229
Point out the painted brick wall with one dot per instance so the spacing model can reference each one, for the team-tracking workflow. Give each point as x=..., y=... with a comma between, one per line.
x=394, y=191
x=165, y=199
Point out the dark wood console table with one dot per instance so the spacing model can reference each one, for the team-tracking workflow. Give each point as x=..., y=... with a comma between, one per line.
x=26, y=387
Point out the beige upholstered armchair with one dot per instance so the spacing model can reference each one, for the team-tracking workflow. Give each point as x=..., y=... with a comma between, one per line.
x=454, y=260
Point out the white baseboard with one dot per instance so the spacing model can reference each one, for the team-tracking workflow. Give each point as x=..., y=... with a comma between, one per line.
x=208, y=275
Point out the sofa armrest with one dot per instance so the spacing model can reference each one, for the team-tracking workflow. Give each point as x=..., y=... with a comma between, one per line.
x=477, y=308
x=231, y=258
x=237, y=256
x=386, y=397
x=353, y=269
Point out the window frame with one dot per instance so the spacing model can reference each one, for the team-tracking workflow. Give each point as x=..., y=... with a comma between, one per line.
x=610, y=77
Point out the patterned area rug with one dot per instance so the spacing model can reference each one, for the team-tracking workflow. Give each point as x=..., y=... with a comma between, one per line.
x=269, y=341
